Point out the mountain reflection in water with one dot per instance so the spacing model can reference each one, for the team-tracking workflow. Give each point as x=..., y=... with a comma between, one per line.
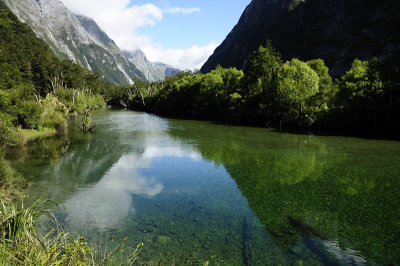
x=195, y=192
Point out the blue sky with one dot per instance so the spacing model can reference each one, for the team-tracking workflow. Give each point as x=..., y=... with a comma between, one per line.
x=213, y=22
x=182, y=33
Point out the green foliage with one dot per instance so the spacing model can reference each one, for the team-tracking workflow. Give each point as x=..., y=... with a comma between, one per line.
x=29, y=114
x=11, y=183
x=304, y=186
x=82, y=100
x=196, y=94
x=7, y=136
x=53, y=114
x=262, y=69
x=21, y=244
x=361, y=97
x=29, y=72
x=296, y=84
x=23, y=56
x=86, y=121
x=362, y=81
x=269, y=92
x=324, y=99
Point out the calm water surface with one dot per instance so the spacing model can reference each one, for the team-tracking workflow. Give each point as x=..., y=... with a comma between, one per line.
x=198, y=193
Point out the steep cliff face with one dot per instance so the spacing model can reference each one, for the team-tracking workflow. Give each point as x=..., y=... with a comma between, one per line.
x=152, y=71
x=95, y=32
x=68, y=37
x=337, y=31
x=100, y=38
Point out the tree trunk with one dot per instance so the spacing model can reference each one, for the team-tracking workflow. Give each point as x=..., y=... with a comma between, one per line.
x=373, y=118
x=300, y=113
x=389, y=111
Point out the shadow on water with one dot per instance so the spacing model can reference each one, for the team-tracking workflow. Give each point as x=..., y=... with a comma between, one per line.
x=336, y=196
x=184, y=189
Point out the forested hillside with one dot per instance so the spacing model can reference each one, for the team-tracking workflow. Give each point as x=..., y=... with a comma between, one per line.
x=30, y=72
x=69, y=39
x=337, y=31
x=293, y=95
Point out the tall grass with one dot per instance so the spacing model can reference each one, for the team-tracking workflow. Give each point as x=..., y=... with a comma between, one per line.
x=21, y=244
x=12, y=184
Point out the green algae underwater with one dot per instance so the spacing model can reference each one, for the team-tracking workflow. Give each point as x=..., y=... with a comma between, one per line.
x=199, y=193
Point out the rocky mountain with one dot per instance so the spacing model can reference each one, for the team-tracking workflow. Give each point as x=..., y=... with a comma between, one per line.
x=95, y=32
x=337, y=31
x=76, y=38
x=167, y=69
x=152, y=71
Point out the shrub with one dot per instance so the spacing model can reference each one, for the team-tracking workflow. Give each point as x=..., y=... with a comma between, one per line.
x=54, y=112
x=7, y=136
x=29, y=114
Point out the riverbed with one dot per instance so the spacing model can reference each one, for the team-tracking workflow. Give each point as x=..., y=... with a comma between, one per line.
x=198, y=192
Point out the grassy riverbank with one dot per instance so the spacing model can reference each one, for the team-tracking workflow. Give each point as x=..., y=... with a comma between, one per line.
x=12, y=184
x=37, y=93
x=22, y=241
x=27, y=135
x=21, y=244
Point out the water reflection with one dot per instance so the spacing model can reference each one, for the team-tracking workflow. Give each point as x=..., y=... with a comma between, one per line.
x=348, y=256
x=341, y=192
x=107, y=203
x=174, y=151
x=184, y=188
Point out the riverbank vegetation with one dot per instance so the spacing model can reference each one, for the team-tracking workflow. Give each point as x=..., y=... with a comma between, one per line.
x=21, y=242
x=37, y=90
x=292, y=94
x=341, y=189
x=37, y=93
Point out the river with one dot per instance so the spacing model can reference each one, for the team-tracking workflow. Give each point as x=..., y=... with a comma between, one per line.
x=197, y=192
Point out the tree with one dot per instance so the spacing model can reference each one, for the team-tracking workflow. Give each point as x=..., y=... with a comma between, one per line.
x=360, y=89
x=296, y=84
x=261, y=70
x=227, y=93
x=212, y=87
x=362, y=81
x=324, y=99
x=390, y=70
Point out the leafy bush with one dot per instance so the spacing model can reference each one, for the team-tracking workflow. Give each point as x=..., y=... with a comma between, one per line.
x=29, y=114
x=7, y=135
x=54, y=112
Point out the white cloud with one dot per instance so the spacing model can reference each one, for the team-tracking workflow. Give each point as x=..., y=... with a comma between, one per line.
x=191, y=58
x=121, y=21
x=185, y=11
x=172, y=151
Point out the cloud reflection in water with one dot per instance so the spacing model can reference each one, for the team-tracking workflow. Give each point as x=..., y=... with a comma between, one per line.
x=106, y=204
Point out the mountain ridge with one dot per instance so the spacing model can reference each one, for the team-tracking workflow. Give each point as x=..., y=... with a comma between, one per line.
x=152, y=71
x=67, y=37
x=337, y=31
